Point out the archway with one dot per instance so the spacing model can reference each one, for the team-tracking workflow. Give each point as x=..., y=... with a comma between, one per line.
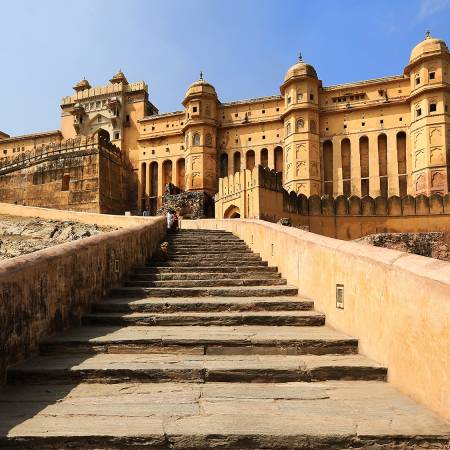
x=232, y=212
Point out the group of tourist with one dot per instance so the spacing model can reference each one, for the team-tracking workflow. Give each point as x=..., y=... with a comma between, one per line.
x=172, y=220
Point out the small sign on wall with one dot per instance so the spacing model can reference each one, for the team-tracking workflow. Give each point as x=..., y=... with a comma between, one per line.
x=340, y=296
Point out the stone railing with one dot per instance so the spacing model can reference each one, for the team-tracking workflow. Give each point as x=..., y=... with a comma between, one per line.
x=395, y=303
x=47, y=291
x=98, y=142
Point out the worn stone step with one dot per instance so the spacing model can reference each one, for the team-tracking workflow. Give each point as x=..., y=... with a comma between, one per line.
x=212, y=282
x=151, y=368
x=227, y=291
x=205, y=304
x=206, y=269
x=210, y=252
x=333, y=415
x=218, y=257
x=203, y=340
x=268, y=318
x=203, y=276
x=206, y=263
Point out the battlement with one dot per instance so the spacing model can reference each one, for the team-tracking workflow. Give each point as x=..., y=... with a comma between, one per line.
x=107, y=90
x=82, y=145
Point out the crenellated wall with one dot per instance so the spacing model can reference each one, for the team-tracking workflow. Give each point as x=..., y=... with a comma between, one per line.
x=259, y=194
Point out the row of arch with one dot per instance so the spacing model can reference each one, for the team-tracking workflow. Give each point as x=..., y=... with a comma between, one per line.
x=151, y=173
x=346, y=152
x=228, y=167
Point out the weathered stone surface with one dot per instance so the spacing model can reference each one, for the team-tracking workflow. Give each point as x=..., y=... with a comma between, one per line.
x=230, y=367
x=324, y=415
x=22, y=235
x=434, y=245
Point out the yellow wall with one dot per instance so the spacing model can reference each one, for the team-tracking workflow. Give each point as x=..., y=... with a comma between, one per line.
x=395, y=303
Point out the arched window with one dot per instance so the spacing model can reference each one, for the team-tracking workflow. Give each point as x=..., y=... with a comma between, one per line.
x=288, y=129
x=401, y=161
x=181, y=171
x=196, y=139
x=143, y=178
x=250, y=160
x=208, y=140
x=223, y=165
x=300, y=124
x=346, y=166
x=264, y=157
x=153, y=179
x=167, y=172
x=312, y=126
x=237, y=162
x=328, y=167
x=382, y=164
x=299, y=97
x=278, y=157
x=364, y=163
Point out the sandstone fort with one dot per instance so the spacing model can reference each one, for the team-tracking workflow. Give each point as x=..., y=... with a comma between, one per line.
x=271, y=319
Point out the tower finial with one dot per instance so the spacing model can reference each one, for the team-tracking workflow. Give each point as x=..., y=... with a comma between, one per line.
x=201, y=75
x=300, y=57
x=427, y=35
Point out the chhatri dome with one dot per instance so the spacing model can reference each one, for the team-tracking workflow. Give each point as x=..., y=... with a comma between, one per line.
x=200, y=87
x=82, y=85
x=300, y=69
x=119, y=77
x=429, y=46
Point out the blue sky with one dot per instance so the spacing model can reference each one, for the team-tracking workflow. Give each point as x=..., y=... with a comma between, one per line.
x=244, y=47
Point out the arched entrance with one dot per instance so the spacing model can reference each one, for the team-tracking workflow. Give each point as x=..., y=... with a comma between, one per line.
x=232, y=212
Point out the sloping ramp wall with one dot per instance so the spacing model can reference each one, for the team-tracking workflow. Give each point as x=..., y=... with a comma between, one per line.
x=395, y=303
x=47, y=291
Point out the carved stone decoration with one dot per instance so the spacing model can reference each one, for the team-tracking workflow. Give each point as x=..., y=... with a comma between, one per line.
x=437, y=180
x=195, y=163
x=436, y=155
x=435, y=136
x=419, y=156
x=299, y=165
x=300, y=188
x=299, y=148
x=420, y=183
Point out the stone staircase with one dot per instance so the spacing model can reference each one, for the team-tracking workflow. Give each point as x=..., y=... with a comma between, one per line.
x=208, y=349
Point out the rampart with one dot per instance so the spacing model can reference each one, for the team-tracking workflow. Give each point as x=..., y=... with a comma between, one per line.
x=259, y=194
x=86, y=174
x=395, y=303
x=47, y=291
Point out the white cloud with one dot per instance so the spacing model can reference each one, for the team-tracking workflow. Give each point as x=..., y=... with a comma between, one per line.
x=430, y=7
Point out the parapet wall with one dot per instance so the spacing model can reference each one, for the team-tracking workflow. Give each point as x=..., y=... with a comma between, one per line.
x=259, y=194
x=47, y=291
x=395, y=303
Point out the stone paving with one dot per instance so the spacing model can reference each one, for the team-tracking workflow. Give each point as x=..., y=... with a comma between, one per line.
x=208, y=363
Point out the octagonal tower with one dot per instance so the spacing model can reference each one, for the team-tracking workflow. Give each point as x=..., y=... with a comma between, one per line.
x=200, y=133
x=301, y=165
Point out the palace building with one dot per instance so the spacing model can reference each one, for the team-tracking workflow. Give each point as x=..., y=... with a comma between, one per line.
x=381, y=137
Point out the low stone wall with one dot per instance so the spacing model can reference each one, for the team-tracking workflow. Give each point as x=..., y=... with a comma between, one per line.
x=108, y=220
x=47, y=291
x=395, y=303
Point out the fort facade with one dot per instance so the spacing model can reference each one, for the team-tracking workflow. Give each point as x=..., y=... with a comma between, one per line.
x=382, y=137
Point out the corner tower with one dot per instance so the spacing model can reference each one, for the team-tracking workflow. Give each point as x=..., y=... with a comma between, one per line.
x=200, y=133
x=301, y=165
x=428, y=70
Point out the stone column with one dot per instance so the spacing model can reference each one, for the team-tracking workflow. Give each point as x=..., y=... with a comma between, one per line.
x=355, y=166
x=338, y=187
x=392, y=164
x=257, y=157
x=374, y=169
x=160, y=180
x=271, y=158
x=175, y=172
